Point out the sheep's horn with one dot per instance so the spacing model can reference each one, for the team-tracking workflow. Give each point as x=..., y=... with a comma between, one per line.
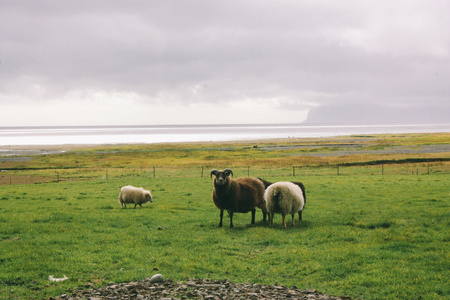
x=214, y=172
x=228, y=172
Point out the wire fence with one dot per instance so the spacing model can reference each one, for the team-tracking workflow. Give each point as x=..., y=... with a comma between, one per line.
x=10, y=177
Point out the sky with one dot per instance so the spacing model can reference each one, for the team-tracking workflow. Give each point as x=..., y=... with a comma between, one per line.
x=110, y=62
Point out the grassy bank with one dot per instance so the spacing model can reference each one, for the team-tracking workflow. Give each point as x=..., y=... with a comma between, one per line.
x=309, y=152
x=367, y=236
x=354, y=155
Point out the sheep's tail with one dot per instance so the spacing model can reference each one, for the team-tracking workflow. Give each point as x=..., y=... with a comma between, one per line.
x=276, y=199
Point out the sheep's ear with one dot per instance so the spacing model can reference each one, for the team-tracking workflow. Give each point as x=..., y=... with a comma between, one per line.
x=228, y=172
x=214, y=172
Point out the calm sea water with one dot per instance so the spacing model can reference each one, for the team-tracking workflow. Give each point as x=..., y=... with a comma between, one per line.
x=192, y=133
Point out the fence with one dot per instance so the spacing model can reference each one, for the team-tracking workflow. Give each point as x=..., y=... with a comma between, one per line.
x=73, y=174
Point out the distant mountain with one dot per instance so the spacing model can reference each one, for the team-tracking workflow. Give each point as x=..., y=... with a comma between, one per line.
x=373, y=113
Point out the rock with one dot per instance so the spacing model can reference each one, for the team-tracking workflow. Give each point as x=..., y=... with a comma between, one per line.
x=156, y=278
x=194, y=289
x=292, y=292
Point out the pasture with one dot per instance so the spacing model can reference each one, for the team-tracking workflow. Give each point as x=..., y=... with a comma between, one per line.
x=366, y=236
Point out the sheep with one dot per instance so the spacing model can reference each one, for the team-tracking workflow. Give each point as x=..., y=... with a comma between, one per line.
x=239, y=195
x=285, y=198
x=301, y=185
x=131, y=194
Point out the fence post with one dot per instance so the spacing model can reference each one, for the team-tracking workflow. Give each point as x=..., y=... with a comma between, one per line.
x=338, y=170
x=10, y=179
x=154, y=171
x=293, y=171
x=248, y=171
x=382, y=169
x=57, y=176
x=428, y=167
x=106, y=175
x=202, y=172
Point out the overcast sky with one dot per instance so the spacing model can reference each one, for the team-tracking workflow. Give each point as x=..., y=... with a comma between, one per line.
x=109, y=62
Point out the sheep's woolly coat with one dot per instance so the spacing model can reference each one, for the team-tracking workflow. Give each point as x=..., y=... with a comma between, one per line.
x=284, y=198
x=301, y=185
x=240, y=195
x=131, y=194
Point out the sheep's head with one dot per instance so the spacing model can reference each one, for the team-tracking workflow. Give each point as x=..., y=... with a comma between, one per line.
x=148, y=197
x=222, y=176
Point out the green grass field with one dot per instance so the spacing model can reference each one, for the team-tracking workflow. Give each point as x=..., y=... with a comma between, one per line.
x=366, y=236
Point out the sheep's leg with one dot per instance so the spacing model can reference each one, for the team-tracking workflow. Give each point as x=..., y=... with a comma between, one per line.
x=135, y=205
x=271, y=214
x=231, y=218
x=253, y=215
x=300, y=217
x=221, y=218
x=264, y=215
x=293, y=219
x=283, y=222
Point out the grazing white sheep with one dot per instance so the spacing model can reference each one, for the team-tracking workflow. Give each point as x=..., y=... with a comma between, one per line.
x=131, y=194
x=284, y=198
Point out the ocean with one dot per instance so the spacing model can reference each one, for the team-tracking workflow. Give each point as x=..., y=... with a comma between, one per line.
x=192, y=133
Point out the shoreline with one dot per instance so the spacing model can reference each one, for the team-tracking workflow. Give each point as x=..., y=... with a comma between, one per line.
x=31, y=150
x=81, y=137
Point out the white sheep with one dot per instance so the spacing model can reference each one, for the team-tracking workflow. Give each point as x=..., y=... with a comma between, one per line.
x=131, y=194
x=284, y=198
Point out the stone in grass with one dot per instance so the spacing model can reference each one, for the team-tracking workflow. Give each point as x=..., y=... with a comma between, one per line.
x=156, y=278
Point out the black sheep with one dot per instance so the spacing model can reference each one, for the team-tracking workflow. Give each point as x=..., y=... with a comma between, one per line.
x=240, y=195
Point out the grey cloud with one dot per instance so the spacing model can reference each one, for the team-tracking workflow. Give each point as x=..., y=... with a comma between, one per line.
x=314, y=53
